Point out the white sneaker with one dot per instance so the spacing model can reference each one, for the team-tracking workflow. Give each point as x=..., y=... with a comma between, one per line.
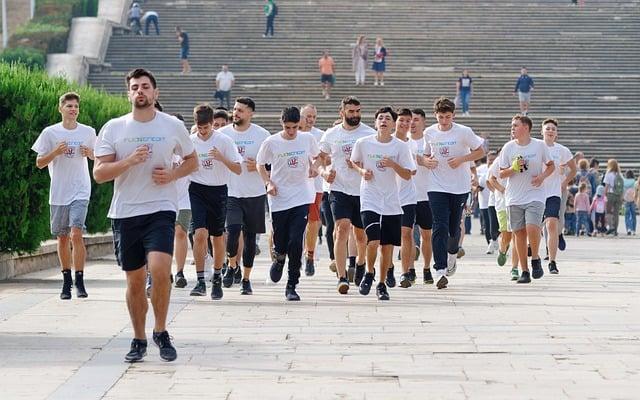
x=208, y=267
x=451, y=264
x=375, y=83
x=495, y=245
x=489, y=249
x=381, y=83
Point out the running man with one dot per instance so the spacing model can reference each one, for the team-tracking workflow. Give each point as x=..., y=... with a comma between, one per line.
x=136, y=152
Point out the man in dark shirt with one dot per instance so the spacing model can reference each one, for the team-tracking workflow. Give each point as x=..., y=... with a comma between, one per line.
x=524, y=87
x=183, y=39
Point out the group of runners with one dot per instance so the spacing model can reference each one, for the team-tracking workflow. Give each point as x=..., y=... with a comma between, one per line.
x=374, y=186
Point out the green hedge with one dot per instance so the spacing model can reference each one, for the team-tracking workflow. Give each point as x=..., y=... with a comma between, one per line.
x=32, y=58
x=28, y=103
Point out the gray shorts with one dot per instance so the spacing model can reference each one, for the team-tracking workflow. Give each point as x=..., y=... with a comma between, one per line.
x=524, y=97
x=526, y=214
x=73, y=215
x=183, y=219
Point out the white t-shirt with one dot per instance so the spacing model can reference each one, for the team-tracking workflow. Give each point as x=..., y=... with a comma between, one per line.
x=519, y=190
x=407, y=191
x=338, y=143
x=69, y=172
x=134, y=192
x=381, y=193
x=182, y=186
x=456, y=142
x=553, y=184
x=225, y=80
x=317, y=181
x=290, y=161
x=422, y=176
x=248, y=183
x=494, y=170
x=610, y=179
x=212, y=172
x=483, y=196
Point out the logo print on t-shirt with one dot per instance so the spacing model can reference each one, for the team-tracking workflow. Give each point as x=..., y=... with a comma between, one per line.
x=241, y=150
x=207, y=163
x=380, y=166
x=293, y=162
x=444, y=151
x=70, y=152
x=346, y=149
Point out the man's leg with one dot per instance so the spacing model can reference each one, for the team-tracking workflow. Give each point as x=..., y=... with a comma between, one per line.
x=342, y=228
x=521, y=248
x=64, y=252
x=160, y=269
x=181, y=246
x=137, y=300
x=552, y=237
x=440, y=233
x=79, y=252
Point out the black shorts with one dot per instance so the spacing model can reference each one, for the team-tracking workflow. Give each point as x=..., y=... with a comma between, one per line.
x=408, y=216
x=346, y=206
x=208, y=207
x=326, y=78
x=424, y=219
x=385, y=228
x=248, y=212
x=135, y=237
x=552, y=207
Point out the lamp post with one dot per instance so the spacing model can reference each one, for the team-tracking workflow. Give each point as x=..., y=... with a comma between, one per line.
x=5, y=31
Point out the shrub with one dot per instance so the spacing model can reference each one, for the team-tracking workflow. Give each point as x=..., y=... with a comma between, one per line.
x=28, y=103
x=28, y=56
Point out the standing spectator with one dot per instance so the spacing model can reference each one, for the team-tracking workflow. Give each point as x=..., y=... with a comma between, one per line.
x=379, y=67
x=594, y=169
x=570, y=214
x=583, y=172
x=270, y=11
x=327, y=73
x=613, y=188
x=464, y=90
x=150, y=17
x=359, y=59
x=224, y=82
x=629, y=202
x=581, y=207
x=183, y=39
x=599, y=207
x=524, y=87
x=134, y=15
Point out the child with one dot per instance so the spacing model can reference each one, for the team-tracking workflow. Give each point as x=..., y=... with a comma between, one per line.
x=599, y=205
x=569, y=214
x=581, y=206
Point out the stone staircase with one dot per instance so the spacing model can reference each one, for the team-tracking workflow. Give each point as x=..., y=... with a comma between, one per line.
x=584, y=61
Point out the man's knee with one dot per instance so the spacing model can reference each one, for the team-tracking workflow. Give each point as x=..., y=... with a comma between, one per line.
x=200, y=235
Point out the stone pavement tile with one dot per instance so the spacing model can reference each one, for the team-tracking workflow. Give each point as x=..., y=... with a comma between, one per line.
x=603, y=390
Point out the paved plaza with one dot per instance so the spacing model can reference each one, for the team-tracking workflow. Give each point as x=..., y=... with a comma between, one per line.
x=571, y=336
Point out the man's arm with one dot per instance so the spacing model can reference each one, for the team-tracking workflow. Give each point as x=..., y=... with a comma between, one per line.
x=572, y=173
x=44, y=160
x=472, y=156
x=106, y=168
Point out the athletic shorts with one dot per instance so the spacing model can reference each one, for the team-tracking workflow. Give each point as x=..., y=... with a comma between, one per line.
x=503, y=224
x=135, y=237
x=424, y=218
x=552, y=207
x=63, y=218
x=248, y=212
x=314, y=209
x=408, y=216
x=385, y=228
x=326, y=78
x=184, y=220
x=526, y=214
x=346, y=206
x=524, y=97
x=184, y=53
x=208, y=207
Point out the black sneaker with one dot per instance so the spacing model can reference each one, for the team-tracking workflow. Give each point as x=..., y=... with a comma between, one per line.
x=405, y=280
x=343, y=285
x=81, y=292
x=536, y=269
x=562, y=244
x=443, y=282
x=137, y=352
x=360, y=270
x=181, y=281
x=553, y=268
x=381, y=292
x=351, y=274
x=200, y=289
x=309, y=267
x=412, y=275
x=275, y=273
x=390, y=280
x=291, y=294
x=428, y=278
x=163, y=340
x=365, y=285
x=246, y=287
x=524, y=277
x=67, y=282
x=229, y=276
x=216, y=287
x=237, y=277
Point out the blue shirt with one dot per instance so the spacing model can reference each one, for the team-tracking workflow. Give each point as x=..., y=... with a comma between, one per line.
x=524, y=84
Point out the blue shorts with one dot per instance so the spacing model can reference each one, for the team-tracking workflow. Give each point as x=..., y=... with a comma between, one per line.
x=135, y=237
x=73, y=215
x=346, y=206
x=408, y=216
x=327, y=78
x=552, y=207
x=184, y=53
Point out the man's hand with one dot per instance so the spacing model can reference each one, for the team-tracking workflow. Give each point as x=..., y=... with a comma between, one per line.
x=367, y=174
x=251, y=164
x=61, y=148
x=86, y=151
x=140, y=155
x=271, y=189
x=349, y=163
x=329, y=176
x=430, y=162
x=215, y=154
x=162, y=176
x=455, y=162
x=537, y=180
x=387, y=162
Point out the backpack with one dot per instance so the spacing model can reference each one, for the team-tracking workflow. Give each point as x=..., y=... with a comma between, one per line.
x=274, y=12
x=618, y=185
x=630, y=195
